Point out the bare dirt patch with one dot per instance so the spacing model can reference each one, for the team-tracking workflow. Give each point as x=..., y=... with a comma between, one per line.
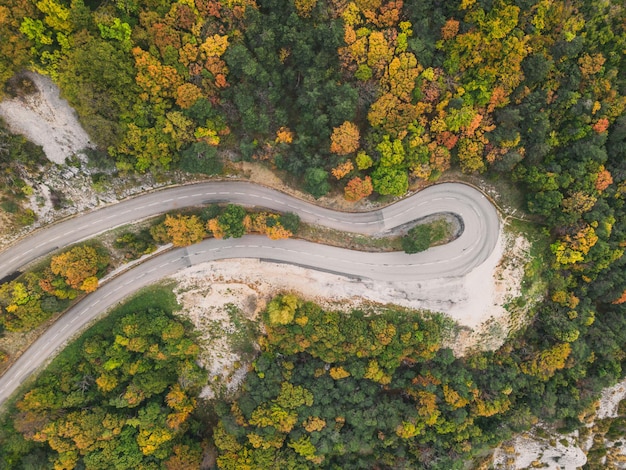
x=609, y=400
x=492, y=295
x=46, y=119
x=529, y=450
x=225, y=314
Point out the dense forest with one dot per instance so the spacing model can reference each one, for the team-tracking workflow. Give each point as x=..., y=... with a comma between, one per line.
x=368, y=98
x=121, y=397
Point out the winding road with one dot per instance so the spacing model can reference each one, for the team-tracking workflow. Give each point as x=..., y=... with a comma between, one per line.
x=470, y=249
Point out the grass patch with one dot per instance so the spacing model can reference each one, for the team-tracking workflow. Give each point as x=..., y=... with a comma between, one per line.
x=245, y=332
x=534, y=271
x=10, y=206
x=441, y=232
x=328, y=236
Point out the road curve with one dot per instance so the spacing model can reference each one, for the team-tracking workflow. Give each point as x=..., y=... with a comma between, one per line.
x=479, y=237
x=447, y=197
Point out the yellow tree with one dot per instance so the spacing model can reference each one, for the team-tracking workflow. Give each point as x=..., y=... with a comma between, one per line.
x=338, y=373
x=470, y=154
x=182, y=405
x=184, y=230
x=187, y=94
x=304, y=7
x=573, y=249
x=450, y=29
x=314, y=423
x=399, y=78
x=157, y=80
x=56, y=15
x=408, y=430
x=545, y=363
x=184, y=458
x=604, y=179
x=345, y=139
x=379, y=53
x=392, y=114
x=342, y=169
x=78, y=265
x=284, y=136
x=282, y=310
x=214, y=46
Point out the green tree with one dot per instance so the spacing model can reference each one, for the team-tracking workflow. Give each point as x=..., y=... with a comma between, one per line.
x=231, y=221
x=290, y=221
x=316, y=182
x=390, y=181
x=417, y=239
x=200, y=157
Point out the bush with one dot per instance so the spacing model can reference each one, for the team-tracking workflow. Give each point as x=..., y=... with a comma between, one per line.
x=210, y=212
x=10, y=206
x=135, y=245
x=52, y=304
x=26, y=217
x=231, y=221
x=316, y=182
x=418, y=239
x=290, y=221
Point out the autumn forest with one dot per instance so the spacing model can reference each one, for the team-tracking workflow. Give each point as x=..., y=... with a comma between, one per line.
x=364, y=99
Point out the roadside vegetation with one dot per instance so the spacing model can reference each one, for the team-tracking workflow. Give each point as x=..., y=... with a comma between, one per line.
x=28, y=300
x=328, y=388
x=34, y=296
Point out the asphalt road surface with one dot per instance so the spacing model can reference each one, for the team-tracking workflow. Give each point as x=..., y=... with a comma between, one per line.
x=474, y=245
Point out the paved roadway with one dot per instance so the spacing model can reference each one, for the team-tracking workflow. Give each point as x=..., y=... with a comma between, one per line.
x=479, y=237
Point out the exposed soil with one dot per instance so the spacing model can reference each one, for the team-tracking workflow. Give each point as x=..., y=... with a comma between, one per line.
x=46, y=119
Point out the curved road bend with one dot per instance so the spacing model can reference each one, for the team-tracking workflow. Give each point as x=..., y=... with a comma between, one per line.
x=449, y=197
x=454, y=259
